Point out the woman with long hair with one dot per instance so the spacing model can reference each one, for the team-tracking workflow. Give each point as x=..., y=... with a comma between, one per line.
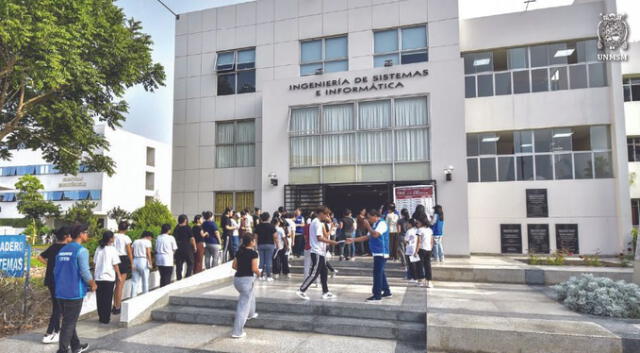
x=438, y=232
x=141, y=263
x=106, y=259
x=246, y=265
x=199, y=235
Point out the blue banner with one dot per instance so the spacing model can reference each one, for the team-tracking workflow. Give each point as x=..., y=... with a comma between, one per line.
x=13, y=255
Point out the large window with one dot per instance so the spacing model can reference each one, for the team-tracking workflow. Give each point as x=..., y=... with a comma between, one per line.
x=73, y=195
x=235, y=200
x=582, y=152
x=324, y=55
x=631, y=88
x=381, y=139
x=405, y=45
x=40, y=169
x=235, y=144
x=633, y=148
x=236, y=71
x=536, y=68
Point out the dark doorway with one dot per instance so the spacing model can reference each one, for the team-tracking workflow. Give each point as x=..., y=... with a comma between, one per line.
x=356, y=197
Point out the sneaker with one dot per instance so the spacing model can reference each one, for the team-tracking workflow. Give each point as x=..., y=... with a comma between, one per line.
x=261, y=278
x=48, y=338
x=269, y=279
x=387, y=296
x=83, y=348
x=254, y=316
x=302, y=295
x=329, y=295
x=276, y=276
x=413, y=281
x=373, y=299
x=242, y=335
x=429, y=284
x=353, y=259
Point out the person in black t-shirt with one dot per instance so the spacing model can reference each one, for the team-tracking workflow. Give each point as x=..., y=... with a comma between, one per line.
x=186, y=246
x=198, y=235
x=63, y=236
x=246, y=266
x=267, y=237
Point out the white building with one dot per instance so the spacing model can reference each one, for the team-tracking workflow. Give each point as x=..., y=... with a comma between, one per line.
x=142, y=172
x=301, y=102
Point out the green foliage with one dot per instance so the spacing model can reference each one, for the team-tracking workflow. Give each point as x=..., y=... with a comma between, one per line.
x=634, y=240
x=14, y=222
x=63, y=65
x=535, y=260
x=152, y=215
x=119, y=214
x=31, y=202
x=558, y=258
x=35, y=263
x=82, y=212
x=592, y=260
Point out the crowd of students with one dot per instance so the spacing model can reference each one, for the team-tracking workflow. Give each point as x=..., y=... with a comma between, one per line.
x=259, y=244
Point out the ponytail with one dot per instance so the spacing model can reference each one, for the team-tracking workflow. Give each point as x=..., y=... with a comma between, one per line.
x=106, y=238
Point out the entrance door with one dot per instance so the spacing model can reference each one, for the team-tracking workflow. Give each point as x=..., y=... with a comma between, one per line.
x=356, y=197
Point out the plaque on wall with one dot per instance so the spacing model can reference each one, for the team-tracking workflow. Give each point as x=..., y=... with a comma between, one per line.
x=538, y=238
x=537, y=205
x=567, y=238
x=511, y=238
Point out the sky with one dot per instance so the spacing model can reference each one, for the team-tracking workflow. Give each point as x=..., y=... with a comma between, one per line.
x=150, y=113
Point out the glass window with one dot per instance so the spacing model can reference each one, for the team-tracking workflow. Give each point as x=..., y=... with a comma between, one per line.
x=246, y=81
x=385, y=41
x=583, y=166
x=488, y=143
x=336, y=66
x=470, y=86
x=558, y=53
x=338, y=118
x=236, y=71
x=336, y=48
x=505, y=142
x=635, y=91
x=523, y=141
x=324, y=55
x=627, y=93
x=485, y=85
x=246, y=59
x=226, y=61
x=524, y=167
x=226, y=84
x=563, y=166
x=521, y=82
x=539, y=55
x=500, y=62
x=472, y=145
x=562, y=138
x=543, y=140
x=311, y=51
x=472, y=170
x=558, y=78
x=401, y=45
x=411, y=112
x=633, y=149
x=597, y=76
x=337, y=149
x=235, y=144
x=310, y=69
x=581, y=139
x=482, y=62
x=487, y=169
x=544, y=170
x=305, y=121
x=506, y=169
x=411, y=145
x=600, y=139
x=374, y=115
x=539, y=80
x=303, y=151
x=578, y=76
x=587, y=50
x=518, y=58
x=602, y=162
x=414, y=57
x=414, y=37
x=374, y=147
x=503, y=83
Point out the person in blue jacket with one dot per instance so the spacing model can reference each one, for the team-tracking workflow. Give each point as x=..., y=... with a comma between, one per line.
x=72, y=280
x=437, y=226
x=378, y=238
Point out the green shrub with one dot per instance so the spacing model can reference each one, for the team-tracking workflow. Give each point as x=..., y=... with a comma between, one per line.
x=153, y=214
x=600, y=296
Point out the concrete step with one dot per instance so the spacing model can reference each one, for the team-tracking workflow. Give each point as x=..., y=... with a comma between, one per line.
x=323, y=308
x=361, y=262
x=342, y=326
x=356, y=271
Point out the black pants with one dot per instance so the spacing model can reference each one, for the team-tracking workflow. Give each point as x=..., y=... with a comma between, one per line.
x=425, y=259
x=298, y=245
x=104, y=297
x=165, y=275
x=54, y=320
x=281, y=262
x=184, y=258
x=318, y=267
x=329, y=267
x=70, y=309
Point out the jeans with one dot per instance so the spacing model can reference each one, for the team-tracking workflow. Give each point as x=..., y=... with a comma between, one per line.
x=54, y=320
x=104, y=296
x=380, y=285
x=140, y=273
x=438, y=252
x=184, y=257
x=211, y=255
x=348, y=250
x=246, y=302
x=410, y=269
x=165, y=275
x=318, y=267
x=266, y=258
x=70, y=309
x=425, y=259
x=235, y=244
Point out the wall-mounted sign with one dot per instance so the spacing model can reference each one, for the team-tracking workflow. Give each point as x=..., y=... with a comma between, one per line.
x=410, y=197
x=369, y=83
x=537, y=204
x=538, y=238
x=511, y=238
x=567, y=238
x=69, y=182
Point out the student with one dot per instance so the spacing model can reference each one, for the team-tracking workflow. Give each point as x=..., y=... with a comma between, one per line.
x=235, y=234
x=246, y=223
x=106, y=260
x=318, y=242
x=361, y=230
x=141, y=263
x=186, y=247
x=280, y=259
x=212, y=241
x=290, y=229
x=298, y=247
x=123, y=246
x=256, y=216
x=425, y=239
x=347, y=224
x=199, y=236
x=438, y=232
x=48, y=257
x=411, y=249
x=267, y=237
x=227, y=231
x=392, y=219
x=72, y=277
x=246, y=266
x=378, y=238
x=165, y=248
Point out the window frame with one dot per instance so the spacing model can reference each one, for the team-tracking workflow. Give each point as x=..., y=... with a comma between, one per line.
x=399, y=51
x=234, y=70
x=629, y=82
x=235, y=143
x=323, y=61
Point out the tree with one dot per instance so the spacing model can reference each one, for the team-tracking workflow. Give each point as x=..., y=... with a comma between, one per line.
x=32, y=205
x=82, y=212
x=152, y=215
x=65, y=64
x=119, y=214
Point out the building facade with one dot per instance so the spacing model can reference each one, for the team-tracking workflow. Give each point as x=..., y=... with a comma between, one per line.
x=142, y=172
x=299, y=102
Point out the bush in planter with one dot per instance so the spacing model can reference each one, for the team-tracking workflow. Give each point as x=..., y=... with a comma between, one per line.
x=600, y=296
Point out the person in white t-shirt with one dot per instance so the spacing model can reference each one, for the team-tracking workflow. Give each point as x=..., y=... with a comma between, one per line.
x=141, y=263
x=106, y=261
x=425, y=243
x=392, y=218
x=411, y=251
x=122, y=244
x=280, y=258
x=318, y=242
x=165, y=248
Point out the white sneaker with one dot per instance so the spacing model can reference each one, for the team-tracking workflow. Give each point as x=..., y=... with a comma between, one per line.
x=329, y=295
x=269, y=279
x=243, y=334
x=429, y=284
x=413, y=281
x=260, y=278
x=302, y=295
x=55, y=337
x=254, y=316
x=46, y=339
x=276, y=276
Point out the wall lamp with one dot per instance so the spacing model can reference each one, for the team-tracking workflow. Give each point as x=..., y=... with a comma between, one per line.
x=448, y=173
x=273, y=177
